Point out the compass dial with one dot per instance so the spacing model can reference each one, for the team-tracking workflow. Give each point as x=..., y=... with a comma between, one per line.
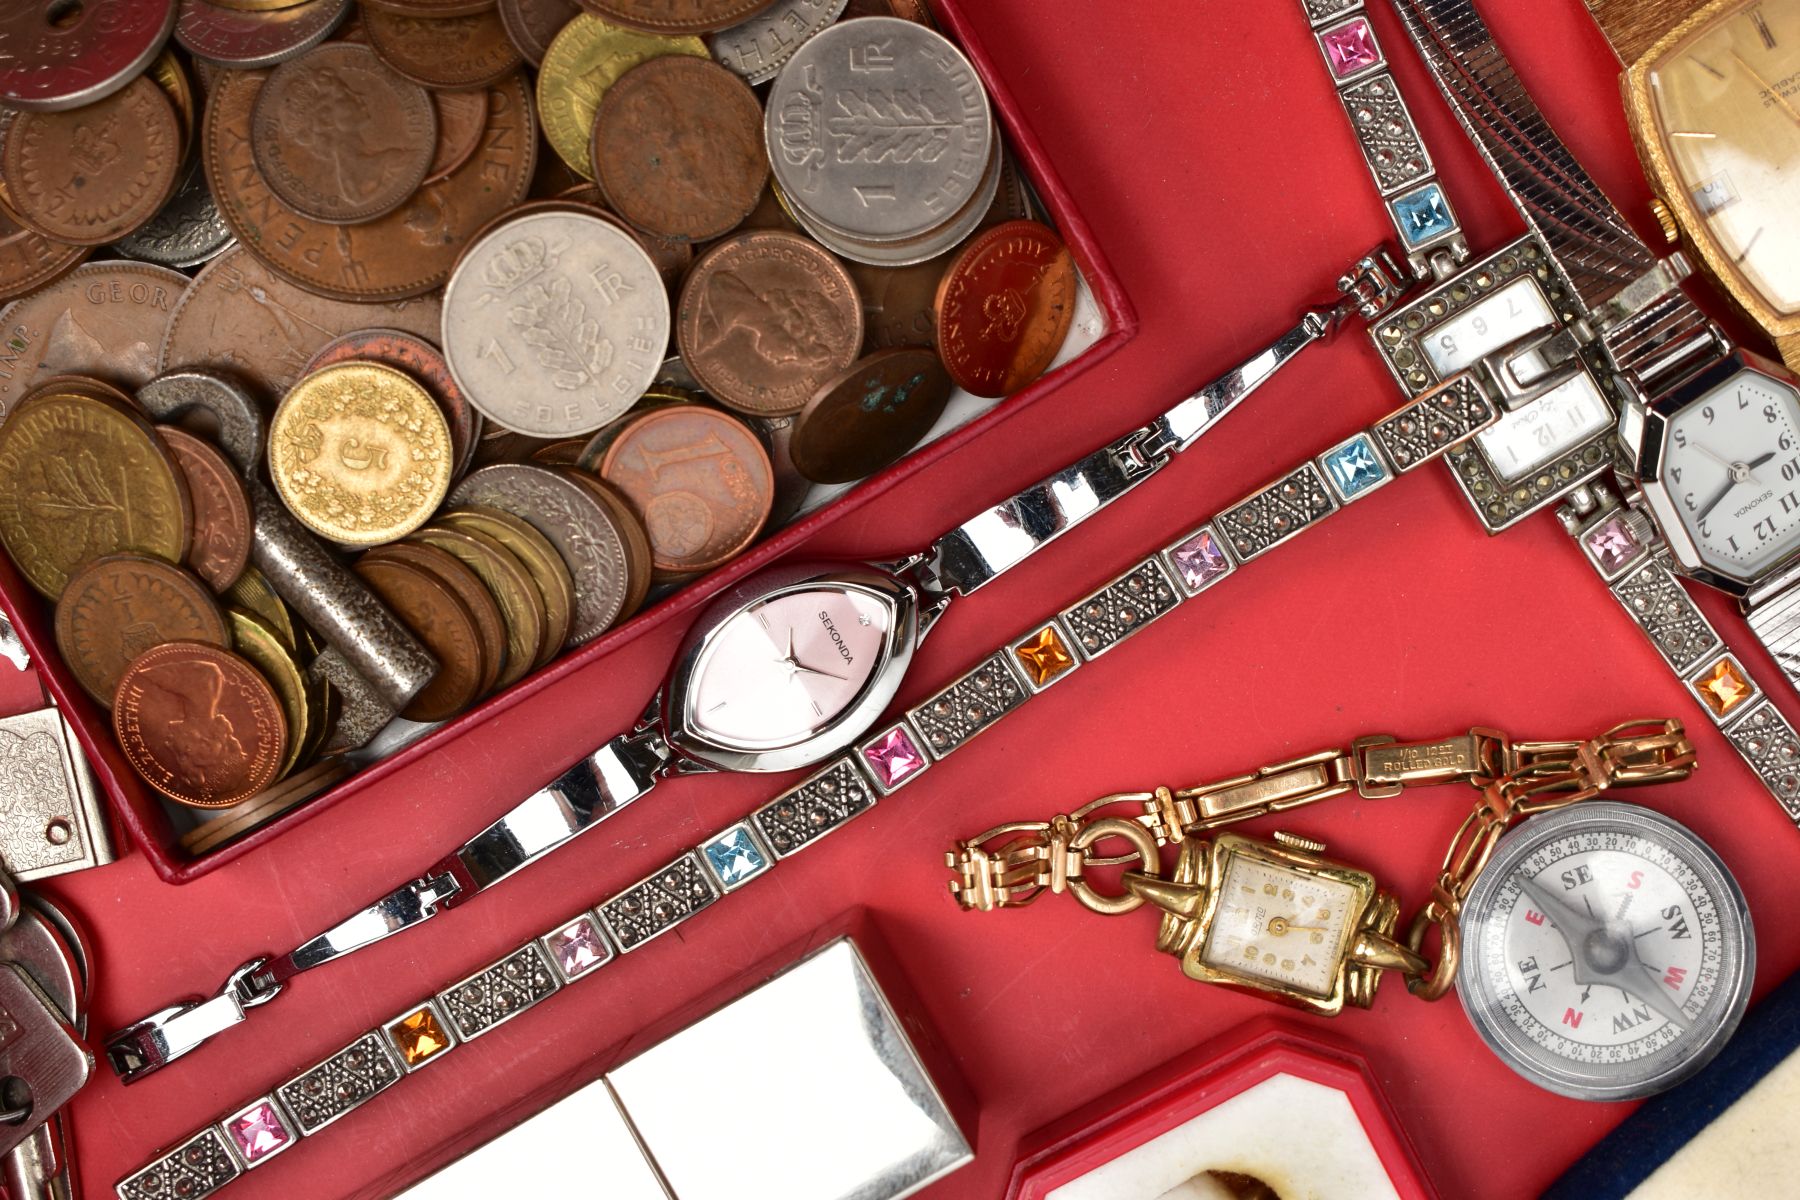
x=1607, y=953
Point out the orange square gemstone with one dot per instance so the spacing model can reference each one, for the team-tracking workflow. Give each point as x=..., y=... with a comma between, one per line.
x=418, y=1037
x=1044, y=656
x=1724, y=687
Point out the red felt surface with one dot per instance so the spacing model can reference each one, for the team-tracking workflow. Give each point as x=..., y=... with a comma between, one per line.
x=1203, y=143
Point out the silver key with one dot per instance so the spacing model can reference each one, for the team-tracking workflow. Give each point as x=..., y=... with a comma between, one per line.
x=42, y=1064
x=48, y=947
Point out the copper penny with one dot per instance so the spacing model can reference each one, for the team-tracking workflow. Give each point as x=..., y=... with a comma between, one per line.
x=406, y=253
x=549, y=573
x=461, y=120
x=222, y=522
x=120, y=605
x=81, y=476
x=340, y=137
x=584, y=530
x=443, y=622
x=105, y=320
x=430, y=8
x=700, y=481
x=94, y=174
x=533, y=24
x=490, y=622
x=264, y=807
x=765, y=319
x=871, y=415
x=507, y=581
x=245, y=40
x=899, y=303
x=29, y=260
x=200, y=724
x=1004, y=308
x=676, y=16
x=678, y=148
x=241, y=319
x=639, y=573
x=907, y=10
x=454, y=52
x=419, y=360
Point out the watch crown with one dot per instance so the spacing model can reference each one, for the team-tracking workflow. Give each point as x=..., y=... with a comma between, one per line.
x=1294, y=841
x=1670, y=230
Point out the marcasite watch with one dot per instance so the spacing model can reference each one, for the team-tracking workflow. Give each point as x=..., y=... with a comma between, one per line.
x=792, y=668
x=1712, y=91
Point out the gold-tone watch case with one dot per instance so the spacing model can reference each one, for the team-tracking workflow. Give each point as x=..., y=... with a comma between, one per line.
x=1714, y=262
x=1202, y=865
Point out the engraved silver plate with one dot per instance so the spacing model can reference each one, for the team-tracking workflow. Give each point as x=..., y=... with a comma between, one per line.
x=195, y=1169
x=1664, y=610
x=969, y=705
x=495, y=995
x=1265, y=519
x=803, y=814
x=1121, y=608
x=51, y=821
x=1434, y=422
x=341, y=1084
x=1768, y=743
x=654, y=906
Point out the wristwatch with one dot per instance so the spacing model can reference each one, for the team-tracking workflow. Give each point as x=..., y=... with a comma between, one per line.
x=1712, y=96
x=792, y=668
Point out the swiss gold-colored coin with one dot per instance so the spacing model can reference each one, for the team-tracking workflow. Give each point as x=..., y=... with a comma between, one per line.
x=585, y=59
x=521, y=607
x=360, y=454
x=549, y=573
x=82, y=476
x=260, y=644
x=252, y=593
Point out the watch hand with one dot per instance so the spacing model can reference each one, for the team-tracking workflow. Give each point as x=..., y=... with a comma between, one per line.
x=1772, y=93
x=789, y=656
x=1750, y=467
x=1718, y=458
x=1717, y=500
x=800, y=666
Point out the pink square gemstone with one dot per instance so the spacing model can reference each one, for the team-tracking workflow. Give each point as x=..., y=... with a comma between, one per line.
x=894, y=757
x=258, y=1132
x=1612, y=543
x=1200, y=560
x=1350, y=48
x=578, y=947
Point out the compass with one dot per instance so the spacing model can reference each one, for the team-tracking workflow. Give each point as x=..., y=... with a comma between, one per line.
x=1607, y=952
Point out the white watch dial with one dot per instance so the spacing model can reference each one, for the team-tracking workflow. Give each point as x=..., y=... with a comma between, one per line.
x=1280, y=925
x=1731, y=468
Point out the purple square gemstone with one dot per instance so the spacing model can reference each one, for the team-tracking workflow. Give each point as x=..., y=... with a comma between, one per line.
x=894, y=757
x=1349, y=48
x=258, y=1132
x=578, y=947
x=1200, y=560
x=1612, y=543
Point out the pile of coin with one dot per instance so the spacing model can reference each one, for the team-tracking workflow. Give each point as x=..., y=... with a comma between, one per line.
x=505, y=316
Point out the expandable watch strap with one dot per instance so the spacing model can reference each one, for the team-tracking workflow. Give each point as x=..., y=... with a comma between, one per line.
x=1633, y=26
x=828, y=799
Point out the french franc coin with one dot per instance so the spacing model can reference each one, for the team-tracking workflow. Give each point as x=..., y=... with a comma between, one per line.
x=555, y=323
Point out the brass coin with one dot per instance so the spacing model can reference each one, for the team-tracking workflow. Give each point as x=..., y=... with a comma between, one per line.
x=93, y=174
x=506, y=578
x=870, y=416
x=549, y=573
x=678, y=148
x=119, y=605
x=443, y=622
x=265, y=806
x=254, y=640
x=583, y=61
x=421, y=362
x=167, y=73
x=81, y=476
x=698, y=479
x=638, y=562
x=252, y=593
x=200, y=724
x=360, y=454
x=323, y=703
x=223, y=525
x=342, y=138
x=447, y=569
x=457, y=53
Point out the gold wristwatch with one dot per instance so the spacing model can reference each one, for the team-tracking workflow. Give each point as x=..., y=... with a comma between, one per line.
x=1712, y=92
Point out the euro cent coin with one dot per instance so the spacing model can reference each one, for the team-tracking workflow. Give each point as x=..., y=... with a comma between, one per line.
x=54, y=55
x=200, y=724
x=555, y=323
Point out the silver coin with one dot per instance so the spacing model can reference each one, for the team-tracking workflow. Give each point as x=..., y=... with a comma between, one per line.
x=879, y=128
x=581, y=528
x=917, y=250
x=555, y=323
x=58, y=55
x=761, y=46
x=187, y=232
x=105, y=320
x=244, y=40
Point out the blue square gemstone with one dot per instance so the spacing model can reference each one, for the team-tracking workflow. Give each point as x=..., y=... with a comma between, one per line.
x=1423, y=214
x=1354, y=467
x=735, y=857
